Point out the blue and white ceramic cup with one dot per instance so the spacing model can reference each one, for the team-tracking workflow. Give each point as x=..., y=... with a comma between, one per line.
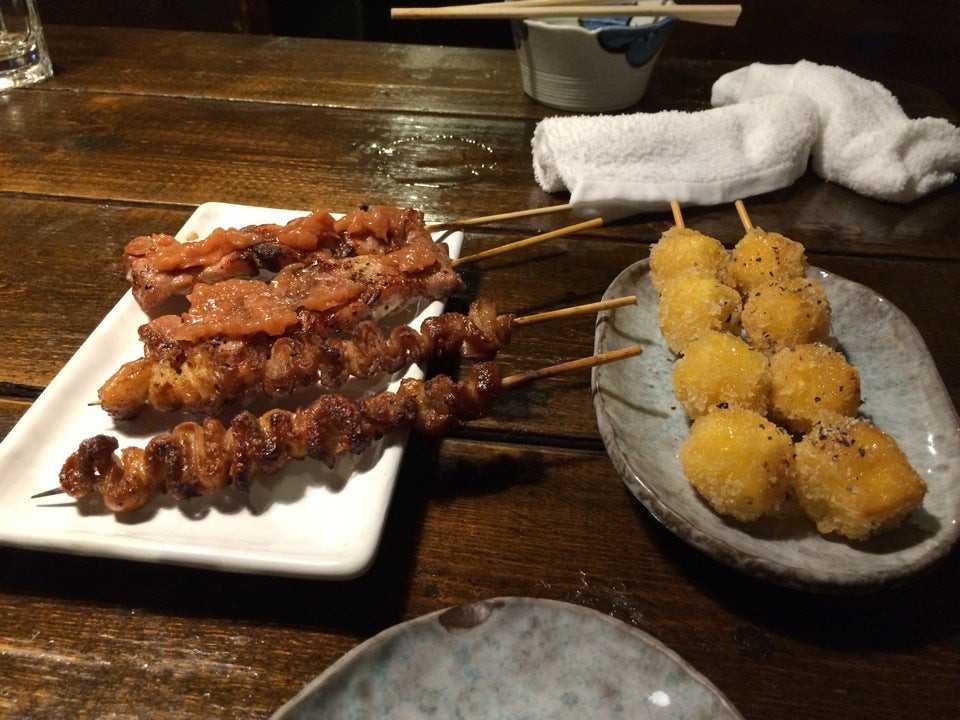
x=589, y=65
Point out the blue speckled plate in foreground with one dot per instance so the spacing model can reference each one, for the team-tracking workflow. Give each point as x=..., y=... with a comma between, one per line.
x=643, y=425
x=517, y=658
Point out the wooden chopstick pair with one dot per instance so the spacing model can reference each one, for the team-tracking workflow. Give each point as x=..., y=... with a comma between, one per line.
x=722, y=15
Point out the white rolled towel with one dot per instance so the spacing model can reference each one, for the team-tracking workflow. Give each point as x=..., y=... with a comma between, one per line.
x=866, y=143
x=619, y=165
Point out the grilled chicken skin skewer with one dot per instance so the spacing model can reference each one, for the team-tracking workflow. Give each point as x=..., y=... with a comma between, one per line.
x=197, y=458
x=225, y=373
x=204, y=457
x=222, y=373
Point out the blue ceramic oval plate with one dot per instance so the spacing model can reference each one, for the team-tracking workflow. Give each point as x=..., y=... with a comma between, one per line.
x=642, y=427
x=510, y=658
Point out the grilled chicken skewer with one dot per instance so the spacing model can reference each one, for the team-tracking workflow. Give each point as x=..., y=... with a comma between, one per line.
x=236, y=323
x=243, y=335
x=159, y=266
x=224, y=374
x=205, y=457
x=336, y=292
x=339, y=292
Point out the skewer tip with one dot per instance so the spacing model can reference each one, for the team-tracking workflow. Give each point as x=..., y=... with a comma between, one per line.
x=48, y=493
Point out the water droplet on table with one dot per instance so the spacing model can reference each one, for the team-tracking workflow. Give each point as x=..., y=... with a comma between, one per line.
x=434, y=160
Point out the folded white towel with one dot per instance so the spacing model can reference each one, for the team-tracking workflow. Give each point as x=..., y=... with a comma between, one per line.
x=866, y=143
x=619, y=165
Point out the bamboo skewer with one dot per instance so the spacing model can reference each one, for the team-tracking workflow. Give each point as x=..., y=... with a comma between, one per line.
x=551, y=370
x=48, y=493
x=484, y=219
x=507, y=382
x=723, y=15
x=744, y=217
x=577, y=310
x=677, y=215
x=509, y=247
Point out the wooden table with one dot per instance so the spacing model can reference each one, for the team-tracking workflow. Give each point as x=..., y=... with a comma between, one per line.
x=138, y=127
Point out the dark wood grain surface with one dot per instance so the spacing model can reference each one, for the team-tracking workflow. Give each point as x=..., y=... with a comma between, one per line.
x=138, y=127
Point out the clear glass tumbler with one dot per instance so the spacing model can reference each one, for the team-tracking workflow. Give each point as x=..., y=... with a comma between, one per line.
x=24, y=58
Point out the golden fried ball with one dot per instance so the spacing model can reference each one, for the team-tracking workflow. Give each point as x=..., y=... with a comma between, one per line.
x=682, y=251
x=854, y=480
x=740, y=462
x=785, y=313
x=762, y=257
x=811, y=382
x=690, y=306
x=720, y=368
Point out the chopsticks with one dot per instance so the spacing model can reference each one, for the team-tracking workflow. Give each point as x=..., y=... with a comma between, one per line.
x=723, y=15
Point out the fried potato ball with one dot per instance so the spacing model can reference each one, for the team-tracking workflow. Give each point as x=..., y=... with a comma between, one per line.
x=811, y=382
x=853, y=479
x=682, y=251
x=785, y=313
x=720, y=368
x=761, y=257
x=740, y=462
x=690, y=306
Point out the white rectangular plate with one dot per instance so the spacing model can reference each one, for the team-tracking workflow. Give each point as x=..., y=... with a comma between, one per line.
x=306, y=521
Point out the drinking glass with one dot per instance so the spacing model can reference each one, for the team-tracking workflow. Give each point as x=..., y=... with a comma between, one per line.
x=24, y=58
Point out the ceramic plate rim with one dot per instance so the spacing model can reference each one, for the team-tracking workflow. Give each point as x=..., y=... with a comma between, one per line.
x=482, y=609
